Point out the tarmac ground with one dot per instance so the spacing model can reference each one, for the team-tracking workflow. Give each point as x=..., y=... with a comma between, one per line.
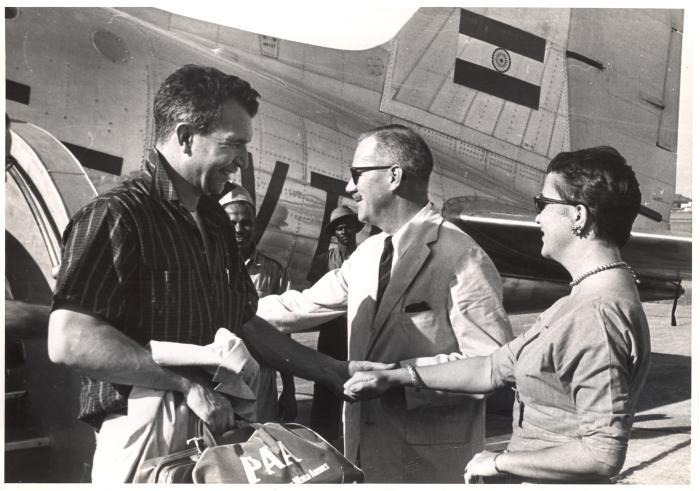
x=659, y=451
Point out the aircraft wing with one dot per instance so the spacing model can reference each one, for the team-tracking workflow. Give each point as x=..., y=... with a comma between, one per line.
x=513, y=241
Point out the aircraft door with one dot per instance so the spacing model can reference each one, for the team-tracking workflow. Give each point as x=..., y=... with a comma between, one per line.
x=44, y=186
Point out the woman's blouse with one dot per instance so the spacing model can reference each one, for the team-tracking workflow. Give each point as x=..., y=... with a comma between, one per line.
x=578, y=373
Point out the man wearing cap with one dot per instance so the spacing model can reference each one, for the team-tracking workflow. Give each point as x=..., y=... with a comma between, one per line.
x=269, y=278
x=326, y=407
x=421, y=292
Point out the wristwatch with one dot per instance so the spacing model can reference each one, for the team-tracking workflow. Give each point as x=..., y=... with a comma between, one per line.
x=416, y=382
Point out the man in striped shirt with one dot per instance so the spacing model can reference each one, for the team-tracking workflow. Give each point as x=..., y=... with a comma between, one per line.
x=155, y=259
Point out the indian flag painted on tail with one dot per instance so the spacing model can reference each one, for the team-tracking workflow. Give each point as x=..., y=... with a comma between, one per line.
x=499, y=59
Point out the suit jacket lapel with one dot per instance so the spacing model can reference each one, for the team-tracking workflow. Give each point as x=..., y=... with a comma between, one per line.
x=406, y=269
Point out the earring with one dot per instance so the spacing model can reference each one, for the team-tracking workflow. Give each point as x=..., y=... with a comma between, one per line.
x=577, y=230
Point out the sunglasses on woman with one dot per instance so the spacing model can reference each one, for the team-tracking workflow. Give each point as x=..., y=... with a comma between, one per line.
x=541, y=202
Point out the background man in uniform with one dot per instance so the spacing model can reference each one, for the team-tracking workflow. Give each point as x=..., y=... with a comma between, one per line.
x=268, y=277
x=154, y=259
x=421, y=292
x=326, y=407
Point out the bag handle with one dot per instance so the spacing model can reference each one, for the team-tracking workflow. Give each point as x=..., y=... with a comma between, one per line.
x=204, y=437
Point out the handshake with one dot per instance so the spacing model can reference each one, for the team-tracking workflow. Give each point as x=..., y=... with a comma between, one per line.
x=369, y=379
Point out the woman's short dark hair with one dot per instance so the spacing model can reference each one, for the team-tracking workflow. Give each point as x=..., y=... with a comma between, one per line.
x=403, y=146
x=194, y=94
x=600, y=178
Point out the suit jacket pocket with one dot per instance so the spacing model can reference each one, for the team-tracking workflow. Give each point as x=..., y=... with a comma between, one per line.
x=417, y=307
x=419, y=321
x=424, y=331
x=443, y=424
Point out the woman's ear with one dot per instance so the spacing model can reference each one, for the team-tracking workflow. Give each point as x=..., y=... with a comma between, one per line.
x=581, y=219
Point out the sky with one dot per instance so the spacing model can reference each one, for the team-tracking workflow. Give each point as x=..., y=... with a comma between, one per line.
x=337, y=25
x=363, y=24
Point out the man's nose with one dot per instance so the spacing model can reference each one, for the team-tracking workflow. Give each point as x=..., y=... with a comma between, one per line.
x=242, y=160
x=350, y=188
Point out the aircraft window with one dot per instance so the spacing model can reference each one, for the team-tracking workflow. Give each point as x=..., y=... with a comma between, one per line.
x=110, y=46
x=11, y=12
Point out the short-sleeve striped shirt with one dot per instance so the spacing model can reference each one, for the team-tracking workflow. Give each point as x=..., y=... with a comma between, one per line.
x=135, y=258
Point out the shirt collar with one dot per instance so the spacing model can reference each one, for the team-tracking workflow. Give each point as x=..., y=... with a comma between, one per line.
x=156, y=173
x=399, y=240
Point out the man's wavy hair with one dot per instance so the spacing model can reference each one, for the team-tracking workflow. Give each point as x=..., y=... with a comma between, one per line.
x=600, y=178
x=194, y=94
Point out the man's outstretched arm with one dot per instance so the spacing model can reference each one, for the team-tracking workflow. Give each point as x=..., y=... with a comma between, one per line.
x=277, y=350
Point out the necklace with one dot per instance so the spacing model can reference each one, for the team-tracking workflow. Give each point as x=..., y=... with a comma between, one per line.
x=605, y=267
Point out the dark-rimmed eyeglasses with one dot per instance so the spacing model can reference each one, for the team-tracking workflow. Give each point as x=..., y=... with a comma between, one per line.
x=356, y=172
x=541, y=202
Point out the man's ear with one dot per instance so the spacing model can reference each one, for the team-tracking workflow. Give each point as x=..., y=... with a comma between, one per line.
x=396, y=173
x=185, y=135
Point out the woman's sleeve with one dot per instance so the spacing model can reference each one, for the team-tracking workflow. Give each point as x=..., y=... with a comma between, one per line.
x=595, y=362
x=503, y=361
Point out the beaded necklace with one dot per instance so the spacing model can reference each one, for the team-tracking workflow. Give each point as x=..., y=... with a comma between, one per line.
x=605, y=267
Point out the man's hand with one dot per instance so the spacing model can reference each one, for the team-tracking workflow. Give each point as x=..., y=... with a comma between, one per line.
x=211, y=407
x=367, y=385
x=355, y=366
x=287, y=405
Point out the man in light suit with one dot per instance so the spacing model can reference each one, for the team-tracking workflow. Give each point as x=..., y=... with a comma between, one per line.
x=421, y=292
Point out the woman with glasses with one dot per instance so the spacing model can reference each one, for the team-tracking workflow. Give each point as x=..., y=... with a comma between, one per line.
x=579, y=370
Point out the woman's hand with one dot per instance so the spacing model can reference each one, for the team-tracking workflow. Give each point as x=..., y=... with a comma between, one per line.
x=482, y=464
x=367, y=385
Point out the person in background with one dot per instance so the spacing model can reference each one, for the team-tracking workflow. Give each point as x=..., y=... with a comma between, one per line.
x=269, y=278
x=580, y=369
x=326, y=407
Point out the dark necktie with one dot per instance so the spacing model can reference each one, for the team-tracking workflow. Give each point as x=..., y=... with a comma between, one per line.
x=384, y=268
